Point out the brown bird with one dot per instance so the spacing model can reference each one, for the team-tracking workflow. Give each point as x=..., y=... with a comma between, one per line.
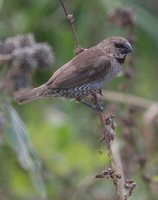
x=85, y=74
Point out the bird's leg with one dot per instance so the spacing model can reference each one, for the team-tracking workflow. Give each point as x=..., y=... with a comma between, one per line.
x=90, y=105
x=83, y=101
x=99, y=104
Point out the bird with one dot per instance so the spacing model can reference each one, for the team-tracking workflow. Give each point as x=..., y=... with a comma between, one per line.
x=85, y=74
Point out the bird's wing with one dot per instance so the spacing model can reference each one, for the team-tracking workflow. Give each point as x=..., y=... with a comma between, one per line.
x=90, y=65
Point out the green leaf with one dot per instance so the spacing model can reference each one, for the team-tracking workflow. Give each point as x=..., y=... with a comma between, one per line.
x=18, y=138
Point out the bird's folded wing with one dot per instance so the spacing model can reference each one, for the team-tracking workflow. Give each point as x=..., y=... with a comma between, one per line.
x=90, y=65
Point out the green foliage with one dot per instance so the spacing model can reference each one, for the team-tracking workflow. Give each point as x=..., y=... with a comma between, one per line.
x=17, y=137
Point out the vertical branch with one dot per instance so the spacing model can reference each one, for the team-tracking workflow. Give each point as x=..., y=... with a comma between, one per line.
x=115, y=161
x=71, y=19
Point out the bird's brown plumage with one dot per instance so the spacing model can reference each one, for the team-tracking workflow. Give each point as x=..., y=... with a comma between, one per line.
x=86, y=73
x=82, y=69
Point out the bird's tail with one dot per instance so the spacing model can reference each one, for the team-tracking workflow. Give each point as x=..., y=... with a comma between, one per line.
x=27, y=96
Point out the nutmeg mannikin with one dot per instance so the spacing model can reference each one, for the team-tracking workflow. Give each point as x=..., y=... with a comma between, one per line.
x=85, y=74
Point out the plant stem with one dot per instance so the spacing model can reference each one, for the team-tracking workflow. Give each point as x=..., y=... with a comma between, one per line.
x=115, y=161
x=70, y=19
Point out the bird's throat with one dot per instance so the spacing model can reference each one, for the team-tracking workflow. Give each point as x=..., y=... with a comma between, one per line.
x=121, y=60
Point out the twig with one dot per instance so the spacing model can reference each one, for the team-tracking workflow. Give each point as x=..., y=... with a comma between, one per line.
x=118, y=166
x=71, y=19
x=115, y=162
x=102, y=121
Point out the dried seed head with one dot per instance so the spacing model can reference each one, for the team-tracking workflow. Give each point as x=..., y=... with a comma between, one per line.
x=29, y=58
x=24, y=55
x=43, y=55
x=130, y=185
x=20, y=81
x=122, y=17
x=19, y=41
x=109, y=171
x=119, y=176
x=27, y=40
x=24, y=60
x=16, y=79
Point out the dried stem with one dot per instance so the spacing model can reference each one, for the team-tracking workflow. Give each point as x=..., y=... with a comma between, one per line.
x=70, y=19
x=118, y=166
x=102, y=121
x=114, y=160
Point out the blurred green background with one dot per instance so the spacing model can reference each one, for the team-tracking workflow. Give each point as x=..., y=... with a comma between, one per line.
x=64, y=133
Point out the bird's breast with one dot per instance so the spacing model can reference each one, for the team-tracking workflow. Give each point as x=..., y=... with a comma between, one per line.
x=115, y=69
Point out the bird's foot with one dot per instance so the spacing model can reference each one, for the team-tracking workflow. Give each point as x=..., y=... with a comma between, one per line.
x=99, y=107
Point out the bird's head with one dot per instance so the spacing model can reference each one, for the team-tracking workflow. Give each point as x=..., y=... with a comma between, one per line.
x=116, y=47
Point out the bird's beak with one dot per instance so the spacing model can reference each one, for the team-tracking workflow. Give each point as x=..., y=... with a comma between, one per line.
x=129, y=48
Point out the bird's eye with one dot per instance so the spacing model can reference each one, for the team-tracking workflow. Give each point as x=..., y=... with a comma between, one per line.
x=119, y=45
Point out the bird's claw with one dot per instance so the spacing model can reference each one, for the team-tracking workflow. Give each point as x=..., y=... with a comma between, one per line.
x=100, y=106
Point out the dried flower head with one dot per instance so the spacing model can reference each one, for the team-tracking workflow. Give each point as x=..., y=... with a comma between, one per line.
x=130, y=185
x=19, y=41
x=43, y=55
x=122, y=17
x=16, y=79
x=23, y=55
x=109, y=173
x=23, y=58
